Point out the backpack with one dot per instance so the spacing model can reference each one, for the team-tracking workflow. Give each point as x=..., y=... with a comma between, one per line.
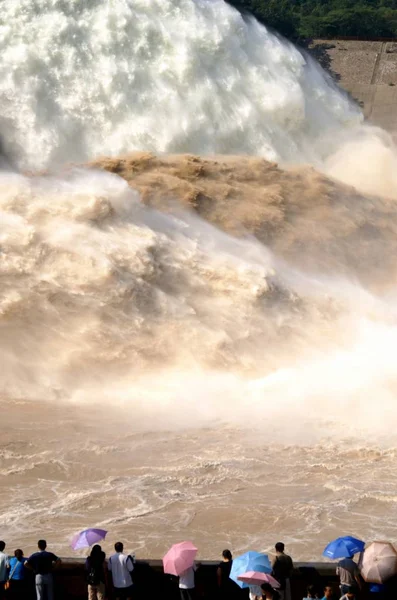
x=132, y=559
x=92, y=577
x=94, y=574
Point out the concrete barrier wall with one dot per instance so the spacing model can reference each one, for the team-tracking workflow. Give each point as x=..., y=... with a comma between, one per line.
x=367, y=71
x=150, y=581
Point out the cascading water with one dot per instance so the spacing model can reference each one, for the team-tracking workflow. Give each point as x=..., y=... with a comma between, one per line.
x=165, y=322
x=80, y=79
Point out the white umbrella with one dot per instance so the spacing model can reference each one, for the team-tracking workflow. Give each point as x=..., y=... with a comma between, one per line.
x=378, y=562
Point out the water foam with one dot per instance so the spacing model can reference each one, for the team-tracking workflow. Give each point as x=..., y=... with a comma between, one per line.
x=162, y=75
x=105, y=300
x=173, y=76
x=167, y=321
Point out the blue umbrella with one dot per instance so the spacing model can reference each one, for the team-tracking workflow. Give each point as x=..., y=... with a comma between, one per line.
x=250, y=561
x=343, y=547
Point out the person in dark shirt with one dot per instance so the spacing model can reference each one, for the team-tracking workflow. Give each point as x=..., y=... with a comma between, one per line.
x=268, y=593
x=42, y=564
x=96, y=574
x=228, y=589
x=282, y=571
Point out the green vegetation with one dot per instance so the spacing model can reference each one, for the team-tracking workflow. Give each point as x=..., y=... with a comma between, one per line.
x=302, y=19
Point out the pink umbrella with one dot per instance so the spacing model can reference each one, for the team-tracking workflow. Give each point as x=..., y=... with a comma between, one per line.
x=257, y=578
x=179, y=558
x=378, y=562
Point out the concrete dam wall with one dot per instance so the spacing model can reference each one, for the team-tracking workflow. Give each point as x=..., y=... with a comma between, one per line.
x=368, y=71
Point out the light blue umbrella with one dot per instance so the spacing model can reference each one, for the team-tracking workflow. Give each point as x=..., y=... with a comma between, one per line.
x=250, y=561
x=343, y=547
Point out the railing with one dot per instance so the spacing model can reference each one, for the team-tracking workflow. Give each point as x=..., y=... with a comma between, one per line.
x=150, y=581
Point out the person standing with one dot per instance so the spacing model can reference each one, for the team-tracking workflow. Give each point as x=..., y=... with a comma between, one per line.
x=268, y=593
x=228, y=589
x=3, y=569
x=311, y=592
x=96, y=574
x=187, y=584
x=255, y=592
x=121, y=566
x=328, y=593
x=17, y=574
x=349, y=575
x=282, y=571
x=42, y=564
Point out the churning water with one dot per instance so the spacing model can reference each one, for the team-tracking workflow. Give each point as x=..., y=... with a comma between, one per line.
x=162, y=377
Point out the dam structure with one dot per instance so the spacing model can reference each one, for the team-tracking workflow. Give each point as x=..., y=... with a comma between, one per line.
x=368, y=71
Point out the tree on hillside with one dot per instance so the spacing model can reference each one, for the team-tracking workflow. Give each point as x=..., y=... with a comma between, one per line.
x=325, y=18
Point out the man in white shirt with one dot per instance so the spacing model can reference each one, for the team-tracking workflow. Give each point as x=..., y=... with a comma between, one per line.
x=3, y=568
x=186, y=583
x=121, y=566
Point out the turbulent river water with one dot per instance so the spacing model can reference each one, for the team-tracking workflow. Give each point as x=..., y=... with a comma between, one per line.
x=217, y=362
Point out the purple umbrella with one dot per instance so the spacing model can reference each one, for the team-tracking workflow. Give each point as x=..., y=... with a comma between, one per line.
x=87, y=538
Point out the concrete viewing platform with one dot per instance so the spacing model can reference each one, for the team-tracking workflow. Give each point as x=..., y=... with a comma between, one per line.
x=151, y=582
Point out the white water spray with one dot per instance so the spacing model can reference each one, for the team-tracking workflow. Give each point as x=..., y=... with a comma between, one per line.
x=82, y=79
x=106, y=301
